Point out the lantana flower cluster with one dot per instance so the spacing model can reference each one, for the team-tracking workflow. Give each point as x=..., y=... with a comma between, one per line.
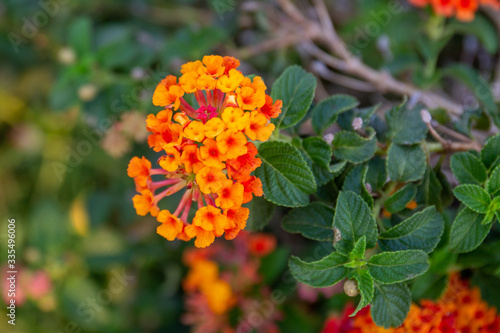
x=463, y=10
x=459, y=310
x=212, y=116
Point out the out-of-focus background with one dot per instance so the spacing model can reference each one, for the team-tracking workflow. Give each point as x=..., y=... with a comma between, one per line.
x=76, y=81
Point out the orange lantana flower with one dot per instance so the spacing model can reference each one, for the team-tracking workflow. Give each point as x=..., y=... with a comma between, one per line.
x=232, y=143
x=236, y=221
x=171, y=160
x=144, y=203
x=210, y=179
x=211, y=155
x=191, y=158
x=170, y=226
x=259, y=128
x=139, y=170
x=230, y=195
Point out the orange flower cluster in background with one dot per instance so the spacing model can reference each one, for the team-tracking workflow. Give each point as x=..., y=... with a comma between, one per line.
x=463, y=10
x=223, y=278
x=208, y=149
x=459, y=310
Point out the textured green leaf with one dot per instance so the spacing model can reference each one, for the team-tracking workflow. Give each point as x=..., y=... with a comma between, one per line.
x=467, y=232
x=323, y=273
x=337, y=168
x=318, y=150
x=430, y=189
x=494, y=182
x=295, y=87
x=422, y=231
x=490, y=154
x=468, y=169
x=358, y=253
x=353, y=219
x=318, y=154
x=313, y=221
x=353, y=147
x=377, y=173
x=490, y=215
x=399, y=266
x=326, y=112
x=398, y=201
x=406, y=163
x=261, y=212
x=365, y=286
x=286, y=178
x=355, y=181
x=406, y=125
x=390, y=304
x=474, y=197
x=477, y=85
x=492, y=210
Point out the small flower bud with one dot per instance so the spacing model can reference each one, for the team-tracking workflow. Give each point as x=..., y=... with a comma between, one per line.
x=426, y=116
x=368, y=187
x=328, y=138
x=87, y=92
x=357, y=123
x=66, y=56
x=351, y=288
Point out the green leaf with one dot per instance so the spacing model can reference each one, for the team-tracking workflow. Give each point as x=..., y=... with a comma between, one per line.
x=406, y=125
x=313, y=221
x=326, y=112
x=355, y=181
x=261, y=212
x=401, y=198
x=318, y=155
x=318, y=150
x=492, y=210
x=353, y=147
x=353, y=220
x=337, y=168
x=422, y=231
x=377, y=173
x=390, y=304
x=490, y=154
x=295, y=87
x=477, y=85
x=406, y=163
x=399, y=266
x=430, y=189
x=365, y=286
x=286, y=178
x=323, y=273
x=80, y=36
x=474, y=197
x=358, y=253
x=467, y=232
x=480, y=27
x=493, y=184
x=468, y=169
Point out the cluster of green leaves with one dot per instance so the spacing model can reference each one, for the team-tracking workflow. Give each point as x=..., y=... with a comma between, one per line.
x=339, y=186
x=479, y=192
